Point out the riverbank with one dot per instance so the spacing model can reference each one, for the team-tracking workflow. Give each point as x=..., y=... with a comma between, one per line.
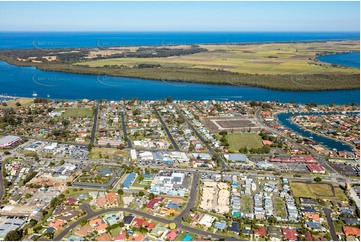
x=320, y=134
x=324, y=141
x=276, y=66
x=306, y=82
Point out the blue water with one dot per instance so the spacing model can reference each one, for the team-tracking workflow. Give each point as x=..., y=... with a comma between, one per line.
x=12, y=40
x=284, y=119
x=188, y=238
x=22, y=81
x=345, y=59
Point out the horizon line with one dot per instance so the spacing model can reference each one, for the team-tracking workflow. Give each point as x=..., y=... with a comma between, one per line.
x=191, y=31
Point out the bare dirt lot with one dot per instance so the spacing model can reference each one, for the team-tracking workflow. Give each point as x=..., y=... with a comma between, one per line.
x=245, y=124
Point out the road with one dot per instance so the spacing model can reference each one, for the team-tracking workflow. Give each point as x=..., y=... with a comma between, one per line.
x=328, y=213
x=177, y=220
x=175, y=145
x=200, y=137
x=124, y=127
x=320, y=159
x=192, y=198
x=94, y=130
x=354, y=196
x=2, y=188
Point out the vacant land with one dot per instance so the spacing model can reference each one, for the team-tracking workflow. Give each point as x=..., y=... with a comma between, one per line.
x=236, y=124
x=318, y=190
x=22, y=101
x=238, y=140
x=280, y=207
x=99, y=153
x=78, y=113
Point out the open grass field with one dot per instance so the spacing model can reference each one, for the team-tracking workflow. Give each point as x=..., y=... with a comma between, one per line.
x=318, y=190
x=238, y=140
x=246, y=203
x=103, y=152
x=22, y=101
x=78, y=113
x=280, y=207
x=270, y=58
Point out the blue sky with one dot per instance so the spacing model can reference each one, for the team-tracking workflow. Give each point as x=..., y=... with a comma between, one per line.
x=179, y=16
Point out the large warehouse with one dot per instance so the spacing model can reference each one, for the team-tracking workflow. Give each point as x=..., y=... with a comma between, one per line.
x=9, y=140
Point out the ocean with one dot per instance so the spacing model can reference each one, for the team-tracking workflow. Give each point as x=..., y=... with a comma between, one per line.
x=18, y=40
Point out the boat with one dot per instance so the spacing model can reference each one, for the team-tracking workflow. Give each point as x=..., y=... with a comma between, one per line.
x=48, y=95
x=34, y=94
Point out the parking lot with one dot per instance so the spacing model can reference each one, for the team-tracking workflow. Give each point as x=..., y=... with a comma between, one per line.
x=346, y=169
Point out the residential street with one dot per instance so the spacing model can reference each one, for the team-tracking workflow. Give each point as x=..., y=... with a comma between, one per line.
x=124, y=127
x=175, y=145
x=328, y=213
x=94, y=129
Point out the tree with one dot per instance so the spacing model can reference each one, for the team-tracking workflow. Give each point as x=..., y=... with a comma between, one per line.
x=65, y=122
x=223, y=132
x=17, y=104
x=187, y=218
x=83, y=222
x=14, y=235
x=120, y=192
x=172, y=226
x=33, y=222
x=272, y=220
x=141, y=193
x=318, y=179
x=169, y=99
x=151, y=196
x=108, y=145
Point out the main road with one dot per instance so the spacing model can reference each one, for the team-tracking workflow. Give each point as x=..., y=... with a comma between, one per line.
x=175, y=145
x=94, y=130
x=200, y=137
x=319, y=158
x=124, y=127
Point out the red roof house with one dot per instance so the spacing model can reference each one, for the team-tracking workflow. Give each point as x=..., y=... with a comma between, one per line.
x=351, y=231
x=261, y=231
x=172, y=234
x=121, y=237
x=154, y=201
x=289, y=234
x=137, y=222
